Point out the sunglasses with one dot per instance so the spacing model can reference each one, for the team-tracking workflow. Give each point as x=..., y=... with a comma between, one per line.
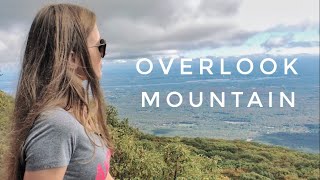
x=102, y=47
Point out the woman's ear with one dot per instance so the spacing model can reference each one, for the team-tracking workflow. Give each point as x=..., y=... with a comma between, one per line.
x=72, y=60
x=75, y=64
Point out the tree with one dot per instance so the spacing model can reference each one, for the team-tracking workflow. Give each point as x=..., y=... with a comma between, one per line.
x=176, y=156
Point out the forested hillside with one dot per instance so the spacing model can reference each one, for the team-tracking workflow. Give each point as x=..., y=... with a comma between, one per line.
x=144, y=156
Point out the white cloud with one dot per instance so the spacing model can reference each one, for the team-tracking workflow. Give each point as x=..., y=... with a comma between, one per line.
x=227, y=51
x=265, y=14
x=14, y=39
x=294, y=51
x=3, y=46
x=144, y=28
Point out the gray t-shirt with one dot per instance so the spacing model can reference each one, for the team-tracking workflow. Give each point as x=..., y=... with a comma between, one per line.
x=57, y=139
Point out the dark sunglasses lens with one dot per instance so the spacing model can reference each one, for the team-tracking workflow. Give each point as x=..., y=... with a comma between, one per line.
x=102, y=47
x=102, y=50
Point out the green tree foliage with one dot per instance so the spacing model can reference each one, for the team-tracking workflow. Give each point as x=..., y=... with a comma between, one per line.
x=176, y=156
x=6, y=105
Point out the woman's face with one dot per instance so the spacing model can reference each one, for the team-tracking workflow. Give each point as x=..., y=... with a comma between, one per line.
x=96, y=60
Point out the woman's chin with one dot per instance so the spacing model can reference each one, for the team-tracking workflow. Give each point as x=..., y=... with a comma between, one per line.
x=99, y=75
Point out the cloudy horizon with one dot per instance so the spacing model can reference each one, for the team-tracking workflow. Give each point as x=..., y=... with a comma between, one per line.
x=194, y=28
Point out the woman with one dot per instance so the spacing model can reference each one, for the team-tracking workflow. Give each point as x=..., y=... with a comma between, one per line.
x=59, y=129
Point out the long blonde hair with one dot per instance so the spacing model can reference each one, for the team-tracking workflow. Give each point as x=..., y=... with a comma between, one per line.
x=48, y=80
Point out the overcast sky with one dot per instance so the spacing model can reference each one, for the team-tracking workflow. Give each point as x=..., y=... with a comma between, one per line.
x=144, y=28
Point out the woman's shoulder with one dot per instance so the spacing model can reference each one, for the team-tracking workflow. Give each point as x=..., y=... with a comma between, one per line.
x=57, y=118
x=52, y=140
x=54, y=124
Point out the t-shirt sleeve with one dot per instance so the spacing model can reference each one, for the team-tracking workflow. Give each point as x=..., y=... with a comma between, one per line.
x=50, y=143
